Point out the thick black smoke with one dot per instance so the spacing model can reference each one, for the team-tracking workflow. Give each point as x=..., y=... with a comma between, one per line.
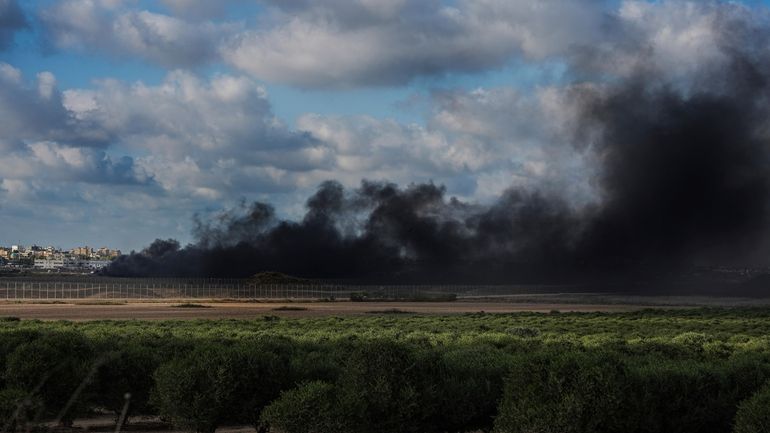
x=376, y=232
x=682, y=177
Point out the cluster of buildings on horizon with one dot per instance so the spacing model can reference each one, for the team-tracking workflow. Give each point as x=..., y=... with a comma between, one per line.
x=79, y=259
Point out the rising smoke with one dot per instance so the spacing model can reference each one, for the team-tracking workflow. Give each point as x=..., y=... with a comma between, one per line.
x=682, y=176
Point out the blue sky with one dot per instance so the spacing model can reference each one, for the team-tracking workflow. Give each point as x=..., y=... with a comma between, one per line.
x=121, y=119
x=31, y=53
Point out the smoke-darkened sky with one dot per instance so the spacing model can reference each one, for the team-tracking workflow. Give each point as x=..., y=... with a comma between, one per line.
x=569, y=132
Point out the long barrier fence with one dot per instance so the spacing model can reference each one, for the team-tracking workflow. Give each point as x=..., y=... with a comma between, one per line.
x=20, y=289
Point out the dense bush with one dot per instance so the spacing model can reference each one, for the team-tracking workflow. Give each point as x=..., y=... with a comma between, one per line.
x=126, y=372
x=689, y=396
x=387, y=386
x=470, y=389
x=312, y=407
x=196, y=392
x=9, y=341
x=563, y=392
x=384, y=386
x=218, y=385
x=643, y=372
x=598, y=391
x=754, y=413
x=56, y=367
x=264, y=371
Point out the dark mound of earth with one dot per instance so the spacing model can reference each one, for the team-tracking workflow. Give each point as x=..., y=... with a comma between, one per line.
x=277, y=278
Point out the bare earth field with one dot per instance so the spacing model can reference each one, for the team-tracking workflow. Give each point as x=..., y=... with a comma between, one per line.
x=95, y=309
x=250, y=310
x=139, y=424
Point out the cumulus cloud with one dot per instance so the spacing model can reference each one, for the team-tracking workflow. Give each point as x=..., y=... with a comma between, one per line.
x=342, y=44
x=337, y=44
x=12, y=19
x=56, y=162
x=210, y=138
x=110, y=26
x=217, y=139
x=43, y=140
x=476, y=142
x=33, y=110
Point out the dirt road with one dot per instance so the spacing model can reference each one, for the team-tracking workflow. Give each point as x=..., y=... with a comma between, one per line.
x=235, y=310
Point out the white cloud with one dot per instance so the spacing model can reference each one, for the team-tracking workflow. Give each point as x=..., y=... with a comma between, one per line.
x=341, y=44
x=54, y=162
x=34, y=111
x=217, y=139
x=477, y=143
x=114, y=28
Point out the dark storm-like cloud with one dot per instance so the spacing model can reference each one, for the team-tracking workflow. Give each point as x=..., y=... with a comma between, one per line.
x=12, y=20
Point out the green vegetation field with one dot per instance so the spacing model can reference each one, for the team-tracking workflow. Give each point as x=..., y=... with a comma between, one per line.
x=662, y=371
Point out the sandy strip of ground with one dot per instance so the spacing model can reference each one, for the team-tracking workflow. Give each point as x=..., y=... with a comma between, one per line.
x=235, y=310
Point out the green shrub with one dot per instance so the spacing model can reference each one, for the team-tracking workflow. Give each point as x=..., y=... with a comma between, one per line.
x=196, y=392
x=754, y=413
x=691, y=341
x=523, y=331
x=318, y=362
x=9, y=341
x=556, y=392
x=264, y=370
x=56, y=367
x=310, y=408
x=128, y=371
x=651, y=371
x=217, y=385
x=388, y=387
x=690, y=396
x=471, y=388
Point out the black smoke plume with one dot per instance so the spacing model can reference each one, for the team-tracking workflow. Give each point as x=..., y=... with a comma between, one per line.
x=682, y=177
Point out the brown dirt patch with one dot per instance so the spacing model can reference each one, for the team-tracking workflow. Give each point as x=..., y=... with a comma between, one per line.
x=238, y=310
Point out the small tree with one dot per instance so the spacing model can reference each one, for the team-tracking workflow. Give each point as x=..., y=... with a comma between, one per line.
x=128, y=371
x=264, y=370
x=195, y=392
x=56, y=367
x=9, y=341
x=217, y=385
x=310, y=408
x=388, y=386
x=558, y=392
